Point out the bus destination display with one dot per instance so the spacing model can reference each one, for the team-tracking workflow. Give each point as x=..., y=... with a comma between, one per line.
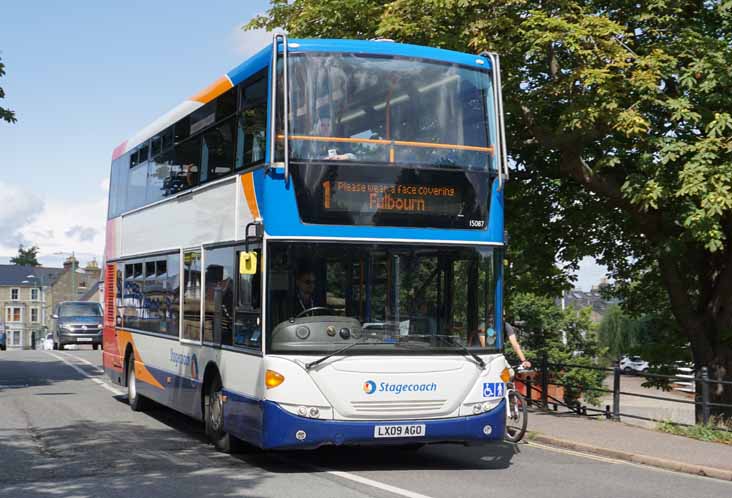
x=368, y=197
x=335, y=194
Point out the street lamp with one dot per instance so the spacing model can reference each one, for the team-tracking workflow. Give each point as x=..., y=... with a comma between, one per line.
x=42, y=283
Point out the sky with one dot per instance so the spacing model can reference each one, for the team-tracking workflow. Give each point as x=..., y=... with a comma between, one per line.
x=84, y=75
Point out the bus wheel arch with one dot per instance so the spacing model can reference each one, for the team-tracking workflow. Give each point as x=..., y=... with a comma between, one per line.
x=210, y=373
x=212, y=401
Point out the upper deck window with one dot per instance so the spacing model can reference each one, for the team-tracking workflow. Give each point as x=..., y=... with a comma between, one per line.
x=390, y=110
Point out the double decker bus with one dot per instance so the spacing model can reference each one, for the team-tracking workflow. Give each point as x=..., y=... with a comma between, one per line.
x=309, y=251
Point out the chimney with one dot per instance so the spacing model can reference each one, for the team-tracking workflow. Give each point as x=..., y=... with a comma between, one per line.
x=92, y=269
x=71, y=261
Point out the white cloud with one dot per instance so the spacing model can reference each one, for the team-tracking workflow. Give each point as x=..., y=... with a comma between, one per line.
x=19, y=207
x=55, y=226
x=248, y=43
x=81, y=233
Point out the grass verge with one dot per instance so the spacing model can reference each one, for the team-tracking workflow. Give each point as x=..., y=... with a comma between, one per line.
x=701, y=432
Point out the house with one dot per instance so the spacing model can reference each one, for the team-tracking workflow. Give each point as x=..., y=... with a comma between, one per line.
x=28, y=295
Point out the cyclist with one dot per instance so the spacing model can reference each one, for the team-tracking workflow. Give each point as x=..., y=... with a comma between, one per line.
x=511, y=334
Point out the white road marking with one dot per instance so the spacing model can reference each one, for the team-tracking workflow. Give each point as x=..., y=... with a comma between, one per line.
x=356, y=478
x=375, y=484
x=576, y=453
x=82, y=372
x=86, y=361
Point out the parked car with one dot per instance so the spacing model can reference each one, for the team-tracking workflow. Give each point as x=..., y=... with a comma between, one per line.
x=633, y=364
x=3, y=345
x=77, y=322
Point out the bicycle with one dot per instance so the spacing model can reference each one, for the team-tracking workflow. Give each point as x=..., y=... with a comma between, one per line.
x=517, y=416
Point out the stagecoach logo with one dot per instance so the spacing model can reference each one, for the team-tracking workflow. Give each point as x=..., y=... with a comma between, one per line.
x=370, y=387
x=190, y=361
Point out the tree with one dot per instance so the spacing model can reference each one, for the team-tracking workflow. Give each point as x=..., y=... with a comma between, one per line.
x=619, y=127
x=26, y=257
x=5, y=114
x=561, y=337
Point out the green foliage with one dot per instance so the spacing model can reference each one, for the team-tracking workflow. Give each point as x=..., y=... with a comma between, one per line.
x=619, y=131
x=5, y=114
x=544, y=324
x=617, y=332
x=701, y=432
x=26, y=257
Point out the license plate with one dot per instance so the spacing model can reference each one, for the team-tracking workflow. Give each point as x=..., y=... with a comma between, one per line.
x=412, y=430
x=83, y=339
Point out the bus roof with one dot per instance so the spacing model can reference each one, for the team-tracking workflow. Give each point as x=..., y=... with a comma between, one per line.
x=262, y=58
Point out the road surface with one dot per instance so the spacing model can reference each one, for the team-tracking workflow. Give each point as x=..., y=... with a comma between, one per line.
x=65, y=431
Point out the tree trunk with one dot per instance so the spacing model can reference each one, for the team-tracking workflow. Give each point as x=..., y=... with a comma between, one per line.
x=719, y=366
x=718, y=360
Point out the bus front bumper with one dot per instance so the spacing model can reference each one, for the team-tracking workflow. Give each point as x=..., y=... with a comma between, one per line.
x=283, y=430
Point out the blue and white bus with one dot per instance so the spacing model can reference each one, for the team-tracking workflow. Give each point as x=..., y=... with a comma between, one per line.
x=309, y=251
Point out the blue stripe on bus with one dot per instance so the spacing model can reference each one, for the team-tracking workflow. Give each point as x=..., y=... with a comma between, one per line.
x=388, y=48
x=281, y=218
x=281, y=426
x=263, y=57
x=252, y=65
x=243, y=417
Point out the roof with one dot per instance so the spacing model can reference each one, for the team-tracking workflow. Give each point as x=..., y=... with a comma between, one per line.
x=16, y=274
x=250, y=66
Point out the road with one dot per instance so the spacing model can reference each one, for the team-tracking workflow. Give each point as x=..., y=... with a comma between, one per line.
x=65, y=431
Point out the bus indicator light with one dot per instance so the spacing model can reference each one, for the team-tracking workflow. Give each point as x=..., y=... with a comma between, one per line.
x=273, y=379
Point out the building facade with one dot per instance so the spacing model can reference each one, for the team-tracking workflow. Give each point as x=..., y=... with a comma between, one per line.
x=29, y=294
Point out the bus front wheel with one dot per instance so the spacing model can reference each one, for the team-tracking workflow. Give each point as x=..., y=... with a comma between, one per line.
x=214, y=418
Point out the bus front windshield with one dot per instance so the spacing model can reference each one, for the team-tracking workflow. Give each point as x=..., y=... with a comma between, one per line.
x=378, y=109
x=381, y=298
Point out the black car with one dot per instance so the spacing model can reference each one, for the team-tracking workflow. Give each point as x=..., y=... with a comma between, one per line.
x=77, y=322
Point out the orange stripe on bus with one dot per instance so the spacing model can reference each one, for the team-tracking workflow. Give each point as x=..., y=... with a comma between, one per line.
x=214, y=90
x=247, y=182
x=403, y=143
x=141, y=371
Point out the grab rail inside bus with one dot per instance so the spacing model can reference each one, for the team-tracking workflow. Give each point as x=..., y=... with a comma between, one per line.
x=285, y=103
x=378, y=141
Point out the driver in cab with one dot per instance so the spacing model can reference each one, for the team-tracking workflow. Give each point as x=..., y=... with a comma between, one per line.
x=304, y=291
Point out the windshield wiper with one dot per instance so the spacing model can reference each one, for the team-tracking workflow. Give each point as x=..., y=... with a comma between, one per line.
x=362, y=342
x=453, y=342
x=463, y=349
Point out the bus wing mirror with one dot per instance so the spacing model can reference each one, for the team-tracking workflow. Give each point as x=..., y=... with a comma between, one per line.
x=248, y=263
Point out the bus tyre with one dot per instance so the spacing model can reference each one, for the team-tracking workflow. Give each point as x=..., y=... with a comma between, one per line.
x=213, y=407
x=137, y=402
x=60, y=346
x=95, y=346
x=55, y=346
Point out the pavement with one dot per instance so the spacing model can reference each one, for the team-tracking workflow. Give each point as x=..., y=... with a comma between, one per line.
x=630, y=443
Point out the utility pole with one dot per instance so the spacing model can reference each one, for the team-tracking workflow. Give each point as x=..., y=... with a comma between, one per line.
x=73, y=276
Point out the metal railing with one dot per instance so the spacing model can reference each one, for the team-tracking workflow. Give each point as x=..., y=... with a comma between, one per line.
x=700, y=379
